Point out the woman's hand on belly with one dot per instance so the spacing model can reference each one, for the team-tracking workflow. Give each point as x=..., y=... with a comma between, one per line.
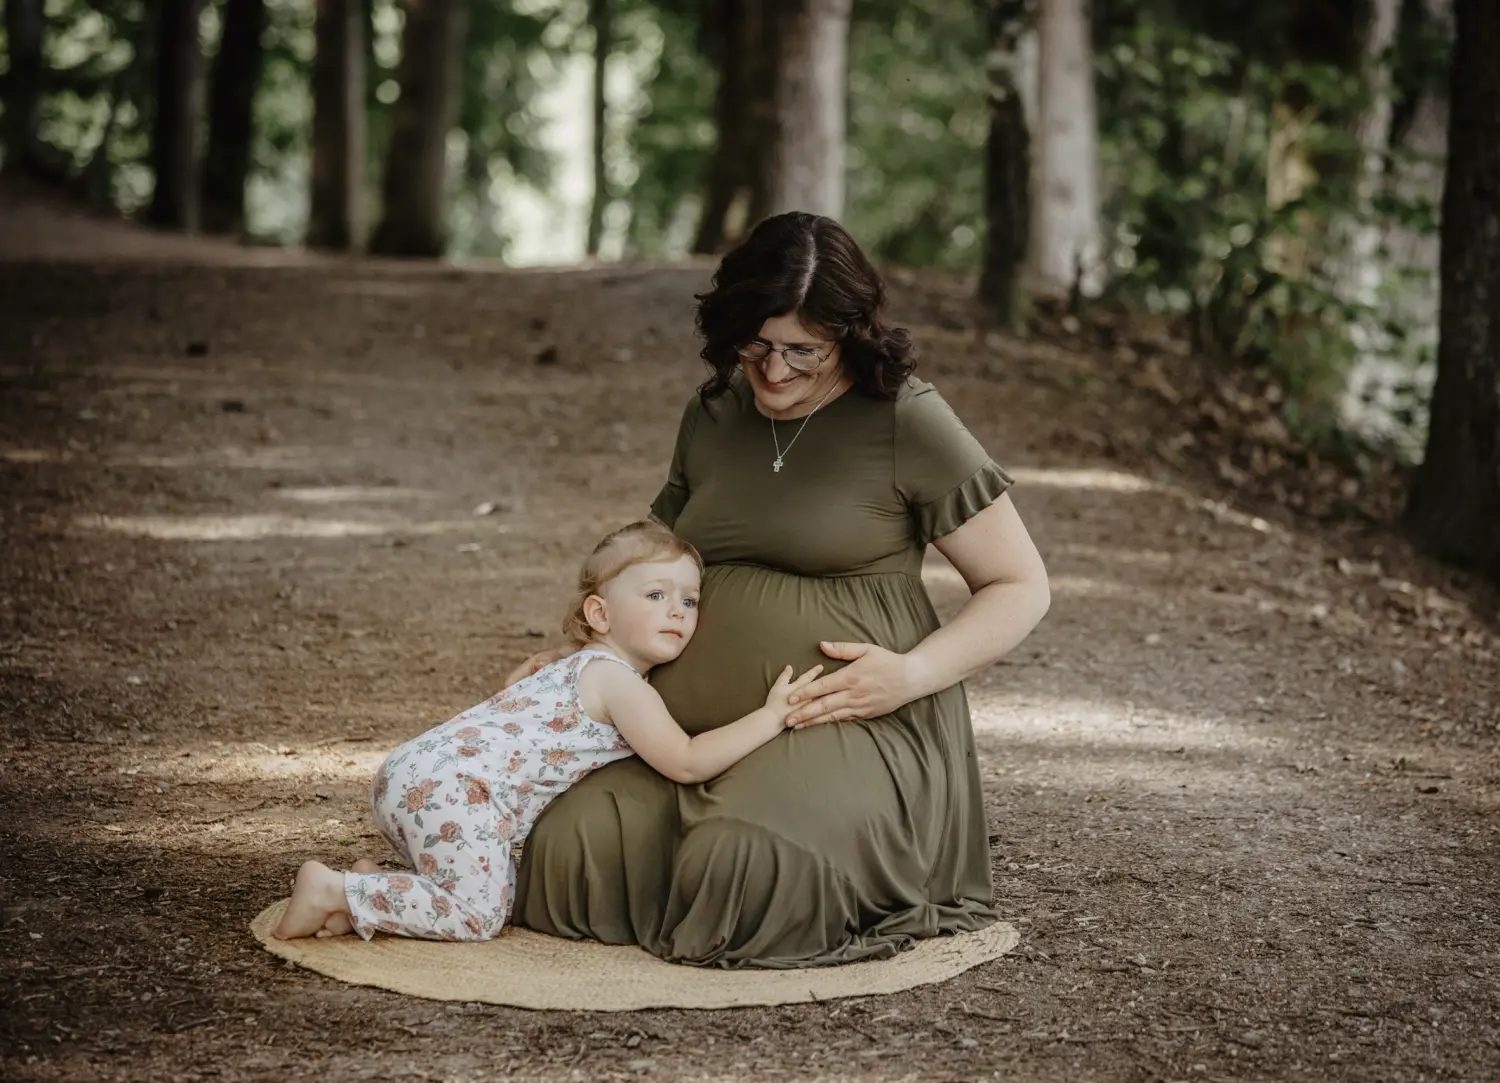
x=875, y=683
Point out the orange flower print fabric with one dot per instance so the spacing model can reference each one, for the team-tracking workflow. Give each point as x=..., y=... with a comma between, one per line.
x=454, y=801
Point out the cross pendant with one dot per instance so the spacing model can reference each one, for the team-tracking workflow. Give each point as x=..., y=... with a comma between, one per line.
x=776, y=466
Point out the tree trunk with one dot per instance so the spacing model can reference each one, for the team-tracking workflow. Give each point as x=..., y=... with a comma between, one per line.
x=1370, y=252
x=413, y=219
x=1418, y=176
x=806, y=153
x=25, y=21
x=1454, y=508
x=599, y=16
x=1066, y=248
x=231, y=116
x=736, y=40
x=174, y=159
x=1358, y=270
x=1007, y=180
x=336, y=216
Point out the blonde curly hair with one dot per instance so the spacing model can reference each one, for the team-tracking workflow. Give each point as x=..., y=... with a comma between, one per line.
x=643, y=542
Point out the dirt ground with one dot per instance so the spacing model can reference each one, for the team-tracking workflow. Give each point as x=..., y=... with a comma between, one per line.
x=265, y=516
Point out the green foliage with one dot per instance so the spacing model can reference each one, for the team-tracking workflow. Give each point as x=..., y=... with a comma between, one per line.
x=508, y=66
x=276, y=200
x=1187, y=126
x=91, y=50
x=673, y=138
x=1193, y=100
x=918, y=120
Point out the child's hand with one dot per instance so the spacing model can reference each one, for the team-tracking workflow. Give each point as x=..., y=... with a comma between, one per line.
x=534, y=663
x=776, y=699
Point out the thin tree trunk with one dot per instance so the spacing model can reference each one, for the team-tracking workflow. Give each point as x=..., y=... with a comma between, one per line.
x=1007, y=180
x=413, y=219
x=735, y=33
x=718, y=37
x=97, y=177
x=336, y=216
x=174, y=160
x=1358, y=269
x=25, y=21
x=1358, y=266
x=1454, y=508
x=599, y=16
x=806, y=154
x=1418, y=176
x=1066, y=247
x=1344, y=35
x=231, y=116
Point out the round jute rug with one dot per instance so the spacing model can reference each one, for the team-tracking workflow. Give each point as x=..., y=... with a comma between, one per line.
x=528, y=970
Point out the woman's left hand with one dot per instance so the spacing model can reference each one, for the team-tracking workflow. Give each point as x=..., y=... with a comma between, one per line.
x=875, y=683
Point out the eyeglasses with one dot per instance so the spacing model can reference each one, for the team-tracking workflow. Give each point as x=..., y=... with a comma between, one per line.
x=799, y=358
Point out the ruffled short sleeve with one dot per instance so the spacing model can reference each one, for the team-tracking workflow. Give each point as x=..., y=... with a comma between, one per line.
x=945, y=476
x=674, y=494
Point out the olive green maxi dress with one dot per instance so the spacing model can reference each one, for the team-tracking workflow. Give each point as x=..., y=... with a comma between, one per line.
x=833, y=843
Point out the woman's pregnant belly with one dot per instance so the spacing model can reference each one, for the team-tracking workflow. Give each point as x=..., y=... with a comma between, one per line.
x=755, y=620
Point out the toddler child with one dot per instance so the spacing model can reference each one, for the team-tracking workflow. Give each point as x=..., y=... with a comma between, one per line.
x=454, y=801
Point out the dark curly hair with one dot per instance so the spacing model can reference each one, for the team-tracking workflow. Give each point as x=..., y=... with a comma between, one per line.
x=809, y=265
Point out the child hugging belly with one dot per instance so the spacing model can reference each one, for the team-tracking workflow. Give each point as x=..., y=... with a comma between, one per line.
x=456, y=800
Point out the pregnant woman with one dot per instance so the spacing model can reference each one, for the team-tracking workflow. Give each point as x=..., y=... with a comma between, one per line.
x=811, y=471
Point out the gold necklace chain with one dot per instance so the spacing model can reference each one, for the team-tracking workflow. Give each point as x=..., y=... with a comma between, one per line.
x=780, y=455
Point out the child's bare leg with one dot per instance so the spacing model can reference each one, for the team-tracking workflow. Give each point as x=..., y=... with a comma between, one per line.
x=339, y=924
x=317, y=896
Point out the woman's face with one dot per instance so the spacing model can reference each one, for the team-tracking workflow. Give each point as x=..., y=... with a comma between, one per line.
x=780, y=390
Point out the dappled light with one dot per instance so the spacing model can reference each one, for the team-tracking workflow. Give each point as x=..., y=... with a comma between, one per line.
x=1104, y=481
x=352, y=494
x=220, y=528
x=311, y=465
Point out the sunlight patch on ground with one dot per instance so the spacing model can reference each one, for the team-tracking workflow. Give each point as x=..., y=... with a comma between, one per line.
x=1074, y=723
x=948, y=588
x=352, y=494
x=30, y=456
x=284, y=457
x=1111, y=481
x=1148, y=558
x=1084, y=744
x=252, y=527
x=255, y=762
x=1221, y=511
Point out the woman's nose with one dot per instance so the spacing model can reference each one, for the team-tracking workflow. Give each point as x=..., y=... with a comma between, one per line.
x=775, y=369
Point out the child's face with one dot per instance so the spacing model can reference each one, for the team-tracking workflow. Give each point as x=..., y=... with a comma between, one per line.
x=652, y=609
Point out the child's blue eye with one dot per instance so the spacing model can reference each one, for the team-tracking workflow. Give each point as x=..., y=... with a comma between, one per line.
x=691, y=603
x=656, y=596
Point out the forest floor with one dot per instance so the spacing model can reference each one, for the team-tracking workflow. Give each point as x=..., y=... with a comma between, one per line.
x=1242, y=782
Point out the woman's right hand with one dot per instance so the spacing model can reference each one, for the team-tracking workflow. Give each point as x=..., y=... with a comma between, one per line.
x=534, y=663
x=786, y=684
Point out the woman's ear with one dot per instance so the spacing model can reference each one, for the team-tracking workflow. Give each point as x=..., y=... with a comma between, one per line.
x=597, y=614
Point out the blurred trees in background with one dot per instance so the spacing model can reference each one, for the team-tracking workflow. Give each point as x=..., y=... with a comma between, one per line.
x=1268, y=172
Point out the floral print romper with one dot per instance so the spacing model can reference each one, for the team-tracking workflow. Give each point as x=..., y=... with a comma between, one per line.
x=454, y=801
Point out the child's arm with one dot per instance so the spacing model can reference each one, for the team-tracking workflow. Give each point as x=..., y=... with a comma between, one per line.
x=637, y=711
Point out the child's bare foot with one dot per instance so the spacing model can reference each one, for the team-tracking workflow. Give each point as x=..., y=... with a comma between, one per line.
x=340, y=924
x=336, y=925
x=317, y=897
